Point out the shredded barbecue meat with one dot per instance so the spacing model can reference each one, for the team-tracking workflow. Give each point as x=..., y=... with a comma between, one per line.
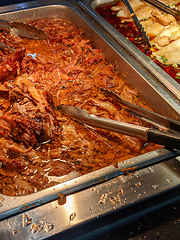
x=38, y=141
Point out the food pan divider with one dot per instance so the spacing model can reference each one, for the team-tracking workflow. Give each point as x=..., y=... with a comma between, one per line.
x=146, y=84
x=166, y=80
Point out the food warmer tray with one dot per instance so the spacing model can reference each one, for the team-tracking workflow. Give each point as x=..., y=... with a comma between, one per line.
x=90, y=5
x=107, y=191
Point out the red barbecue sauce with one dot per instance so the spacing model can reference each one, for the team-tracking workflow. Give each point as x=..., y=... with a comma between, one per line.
x=128, y=29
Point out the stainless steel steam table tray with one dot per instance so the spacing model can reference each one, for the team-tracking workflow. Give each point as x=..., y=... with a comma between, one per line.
x=90, y=5
x=91, y=196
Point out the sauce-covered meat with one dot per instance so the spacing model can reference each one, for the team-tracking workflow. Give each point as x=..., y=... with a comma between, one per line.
x=39, y=142
x=161, y=28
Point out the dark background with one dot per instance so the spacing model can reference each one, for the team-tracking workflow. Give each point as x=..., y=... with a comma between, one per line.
x=7, y=2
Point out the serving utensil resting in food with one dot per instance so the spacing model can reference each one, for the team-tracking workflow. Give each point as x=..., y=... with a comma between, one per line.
x=157, y=4
x=140, y=28
x=158, y=120
x=23, y=30
x=168, y=139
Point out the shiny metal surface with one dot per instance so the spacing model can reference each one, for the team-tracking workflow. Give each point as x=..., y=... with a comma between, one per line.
x=167, y=139
x=23, y=30
x=158, y=120
x=91, y=204
x=104, y=123
x=90, y=5
x=38, y=215
x=12, y=205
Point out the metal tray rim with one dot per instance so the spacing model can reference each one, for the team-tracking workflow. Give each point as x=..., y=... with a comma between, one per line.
x=46, y=195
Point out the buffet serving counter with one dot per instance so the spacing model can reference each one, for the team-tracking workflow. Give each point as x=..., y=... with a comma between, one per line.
x=80, y=207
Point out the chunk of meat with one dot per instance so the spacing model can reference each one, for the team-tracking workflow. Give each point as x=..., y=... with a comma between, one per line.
x=104, y=105
x=169, y=54
x=128, y=94
x=6, y=122
x=152, y=28
x=23, y=187
x=165, y=34
x=31, y=118
x=144, y=12
x=164, y=19
x=11, y=66
x=123, y=11
x=59, y=168
x=168, y=44
x=137, y=4
x=17, y=164
x=4, y=91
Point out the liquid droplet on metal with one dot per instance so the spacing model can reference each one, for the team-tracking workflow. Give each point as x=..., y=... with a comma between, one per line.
x=48, y=227
x=168, y=180
x=61, y=199
x=26, y=220
x=72, y=217
x=154, y=186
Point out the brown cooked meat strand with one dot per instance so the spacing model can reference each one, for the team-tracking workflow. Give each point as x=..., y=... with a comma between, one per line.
x=37, y=141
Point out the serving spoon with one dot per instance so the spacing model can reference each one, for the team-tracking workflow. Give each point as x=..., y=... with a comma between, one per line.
x=23, y=30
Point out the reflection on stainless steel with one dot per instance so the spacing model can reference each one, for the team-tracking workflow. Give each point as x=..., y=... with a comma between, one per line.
x=86, y=199
x=90, y=6
x=171, y=140
x=154, y=118
x=92, y=203
x=23, y=30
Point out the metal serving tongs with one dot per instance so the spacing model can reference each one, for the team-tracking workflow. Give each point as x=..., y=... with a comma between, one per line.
x=155, y=119
x=167, y=139
x=23, y=30
x=165, y=8
x=140, y=28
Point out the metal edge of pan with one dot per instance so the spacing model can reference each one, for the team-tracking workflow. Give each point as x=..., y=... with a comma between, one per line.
x=12, y=205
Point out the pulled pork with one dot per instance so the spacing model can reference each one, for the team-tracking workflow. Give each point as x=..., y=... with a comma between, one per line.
x=38, y=141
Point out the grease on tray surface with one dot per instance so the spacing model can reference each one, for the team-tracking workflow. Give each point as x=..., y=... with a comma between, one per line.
x=38, y=143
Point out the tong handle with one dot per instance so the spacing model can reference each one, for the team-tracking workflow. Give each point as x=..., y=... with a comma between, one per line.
x=158, y=120
x=166, y=139
x=170, y=140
